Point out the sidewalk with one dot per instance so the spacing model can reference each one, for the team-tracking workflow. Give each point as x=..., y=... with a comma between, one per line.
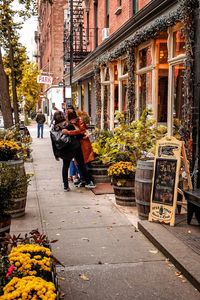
x=103, y=253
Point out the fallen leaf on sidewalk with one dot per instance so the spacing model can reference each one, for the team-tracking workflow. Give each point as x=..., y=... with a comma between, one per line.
x=84, y=277
x=62, y=295
x=153, y=251
x=98, y=211
x=86, y=207
x=62, y=278
x=178, y=274
x=85, y=239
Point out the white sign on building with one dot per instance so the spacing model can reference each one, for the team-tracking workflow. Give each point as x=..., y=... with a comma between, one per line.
x=44, y=79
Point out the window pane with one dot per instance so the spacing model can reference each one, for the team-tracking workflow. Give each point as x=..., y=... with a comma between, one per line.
x=178, y=43
x=124, y=96
x=163, y=53
x=145, y=91
x=162, y=95
x=178, y=73
x=145, y=59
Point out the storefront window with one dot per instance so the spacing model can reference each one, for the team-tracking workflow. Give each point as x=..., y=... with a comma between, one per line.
x=124, y=96
x=163, y=53
x=82, y=97
x=162, y=95
x=89, y=98
x=145, y=91
x=178, y=43
x=178, y=73
x=145, y=58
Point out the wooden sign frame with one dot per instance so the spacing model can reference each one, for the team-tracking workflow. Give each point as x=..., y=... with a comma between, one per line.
x=169, y=154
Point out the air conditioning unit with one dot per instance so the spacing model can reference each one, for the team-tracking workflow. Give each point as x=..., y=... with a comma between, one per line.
x=105, y=33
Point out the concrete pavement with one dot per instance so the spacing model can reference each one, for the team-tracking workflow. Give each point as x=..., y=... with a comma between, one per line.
x=103, y=253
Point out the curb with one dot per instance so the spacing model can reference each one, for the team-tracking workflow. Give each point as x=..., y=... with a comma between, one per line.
x=185, y=260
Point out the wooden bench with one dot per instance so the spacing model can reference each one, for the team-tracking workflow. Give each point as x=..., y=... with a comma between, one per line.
x=193, y=205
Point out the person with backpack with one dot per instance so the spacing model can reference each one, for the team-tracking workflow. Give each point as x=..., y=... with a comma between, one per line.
x=71, y=150
x=80, y=131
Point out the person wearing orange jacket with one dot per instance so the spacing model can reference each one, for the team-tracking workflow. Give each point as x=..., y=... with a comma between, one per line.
x=81, y=132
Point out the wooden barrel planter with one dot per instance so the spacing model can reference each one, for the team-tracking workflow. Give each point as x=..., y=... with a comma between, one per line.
x=18, y=165
x=124, y=190
x=18, y=206
x=19, y=193
x=143, y=187
x=99, y=173
x=5, y=222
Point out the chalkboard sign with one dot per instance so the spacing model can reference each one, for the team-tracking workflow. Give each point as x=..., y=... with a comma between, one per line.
x=164, y=181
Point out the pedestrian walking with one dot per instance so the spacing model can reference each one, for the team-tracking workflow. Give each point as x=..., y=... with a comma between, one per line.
x=40, y=119
x=72, y=150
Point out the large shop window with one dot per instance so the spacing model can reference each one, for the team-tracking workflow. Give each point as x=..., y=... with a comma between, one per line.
x=145, y=90
x=144, y=77
x=178, y=73
x=159, y=76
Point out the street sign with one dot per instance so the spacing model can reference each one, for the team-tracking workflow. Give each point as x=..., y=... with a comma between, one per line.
x=44, y=79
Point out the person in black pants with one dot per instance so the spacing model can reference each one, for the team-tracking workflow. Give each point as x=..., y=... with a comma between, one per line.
x=72, y=150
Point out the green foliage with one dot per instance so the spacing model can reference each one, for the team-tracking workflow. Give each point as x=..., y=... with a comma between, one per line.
x=29, y=89
x=100, y=145
x=12, y=185
x=129, y=142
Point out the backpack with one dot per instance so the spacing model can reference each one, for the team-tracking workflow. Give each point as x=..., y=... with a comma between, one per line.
x=60, y=139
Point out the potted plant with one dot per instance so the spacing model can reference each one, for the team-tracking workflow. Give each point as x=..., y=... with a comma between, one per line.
x=123, y=177
x=99, y=167
x=6, y=180
x=133, y=142
x=22, y=138
x=28, y=262
x=13, y=191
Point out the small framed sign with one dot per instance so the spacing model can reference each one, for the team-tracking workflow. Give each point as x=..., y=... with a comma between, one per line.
x=165, y=180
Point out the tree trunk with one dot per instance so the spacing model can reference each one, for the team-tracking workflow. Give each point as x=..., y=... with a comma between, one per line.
x=4, y=97
x=13, y=78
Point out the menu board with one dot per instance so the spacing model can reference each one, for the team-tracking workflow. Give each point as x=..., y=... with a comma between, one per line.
x=164, y=181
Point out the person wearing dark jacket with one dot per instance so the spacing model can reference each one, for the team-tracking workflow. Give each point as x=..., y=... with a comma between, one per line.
x=72, y=150
x=40, y=119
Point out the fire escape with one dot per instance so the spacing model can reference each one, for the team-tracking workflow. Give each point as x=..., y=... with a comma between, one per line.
x=75, y=45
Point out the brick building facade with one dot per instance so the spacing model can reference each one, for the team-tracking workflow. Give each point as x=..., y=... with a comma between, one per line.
x=50, y=34
x=142, y=54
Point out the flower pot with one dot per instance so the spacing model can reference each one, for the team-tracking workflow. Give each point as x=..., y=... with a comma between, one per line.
x=18, y=165
x=99, y=173
x=143, y=187
x=124, y=190
x=19, y=193
x=5, y=222
x=18, y=206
